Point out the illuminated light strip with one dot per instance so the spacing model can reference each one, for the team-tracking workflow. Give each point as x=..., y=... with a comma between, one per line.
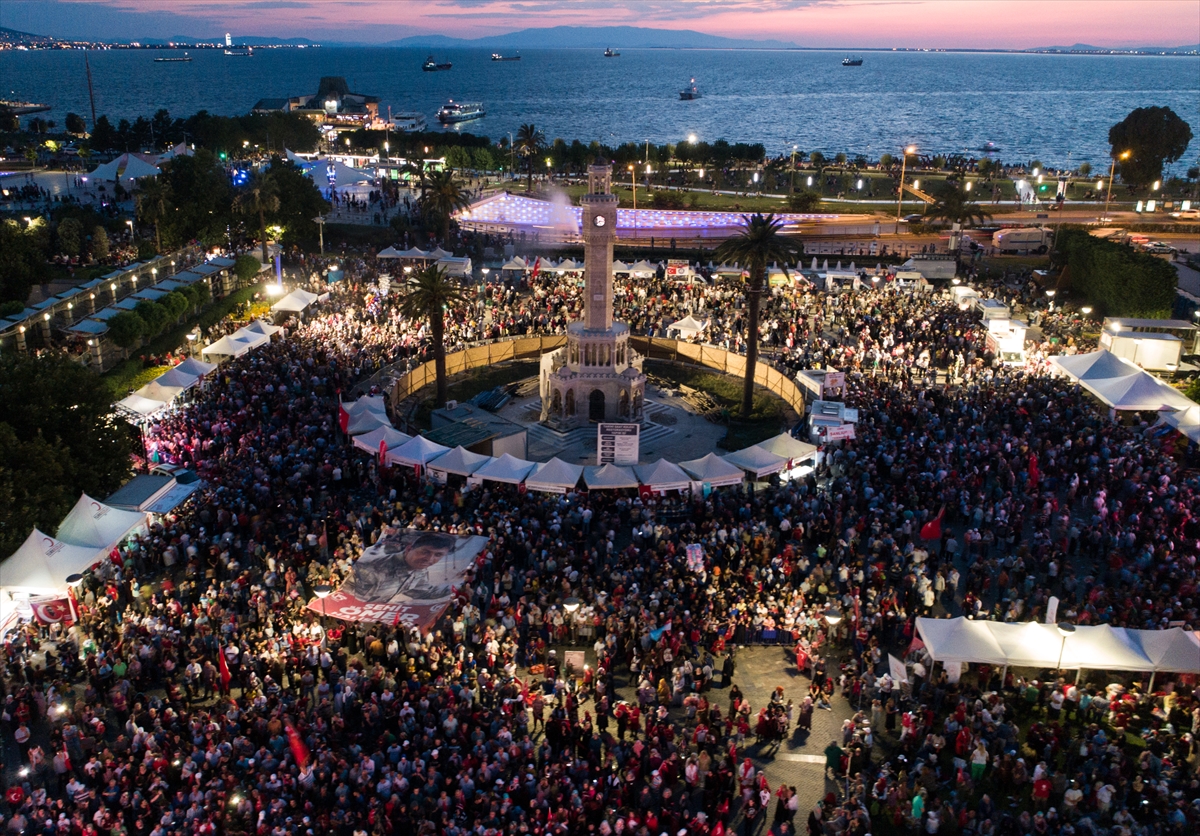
x=512, y=210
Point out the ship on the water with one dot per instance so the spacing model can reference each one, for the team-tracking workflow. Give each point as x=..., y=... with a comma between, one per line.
x=611, y=53
x=496, y=56
x=431, y=66
x=453, y=111
x=174, y=59
x=852, y=61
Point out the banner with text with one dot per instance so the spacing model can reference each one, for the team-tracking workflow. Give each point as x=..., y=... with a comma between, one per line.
x=408, y=577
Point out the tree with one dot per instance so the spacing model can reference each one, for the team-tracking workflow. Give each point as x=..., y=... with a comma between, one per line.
x=246, y=268
x=444, y=197
x=1085, y=169
x=153, y=314
x=1115, y=278
x=126, y=328
x=23, y=254
x=760, y=243
x=104, y=137
x=987, y=168
x=70, y=236
x=57, y=438
x=75, y=124
x=259, y=197
x=152, y=199
x=482, y=159
x=805, y=201
x=1153, y=136
x=175, y=304
x=299, y=202
x=458, y=157
x=955, y=206
x=99, y=243
x=530, y=142
x=427, y=295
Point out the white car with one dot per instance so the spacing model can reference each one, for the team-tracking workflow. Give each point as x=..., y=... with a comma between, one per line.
x=1189, y=215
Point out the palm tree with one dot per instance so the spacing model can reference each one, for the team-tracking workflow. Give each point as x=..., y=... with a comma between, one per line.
x=955, y=206
x=428, y=294
x=530, y=141
x=760, y=243
x=443, y=197
x=152, y=198
x=258, y=198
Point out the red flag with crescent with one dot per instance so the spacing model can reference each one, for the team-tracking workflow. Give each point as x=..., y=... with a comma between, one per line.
x=299, y=750
x=52, y=610
x=537, y=267
x=932, y=530
x=223, y=663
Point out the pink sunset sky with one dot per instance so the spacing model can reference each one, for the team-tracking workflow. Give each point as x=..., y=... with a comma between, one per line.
x=814, y=23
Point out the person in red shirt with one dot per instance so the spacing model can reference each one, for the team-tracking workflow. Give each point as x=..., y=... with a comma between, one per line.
x=1041, y=792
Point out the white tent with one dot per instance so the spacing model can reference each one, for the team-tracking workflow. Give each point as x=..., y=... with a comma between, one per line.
x=609, y=477
x=1137, y=393
x=554, y=476
x=1095, y=365
x=138, y=405
x=508, y=469
x=643, y=267
x=179, y=150
x=1186, y=421
x=365, y=422
x=418, y=450
x=413, y=252
x=460, y=461
x=662, y=475
x=956, y=640
x=42, y=564
x=156, y=391
x=370, y=441
x=258, y=326
x=137, y=168
x=389, y=252
x=620, y=267
x=687, y=327
x=517, y=263
x=1175, y=650
x=295, y=301
x=343, y=175
x=195, y=367
x=235, y=345
x=790, y=448
x=714, y=470
x=438, y=253
x=757, y=461
x=98, y=526
x=177, y=379
x=367, y=403
x=568, y=264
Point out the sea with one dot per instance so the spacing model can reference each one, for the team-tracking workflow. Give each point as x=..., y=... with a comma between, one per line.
x=1054, y=108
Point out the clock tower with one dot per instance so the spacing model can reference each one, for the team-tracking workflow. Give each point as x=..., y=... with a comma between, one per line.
x=597, y=376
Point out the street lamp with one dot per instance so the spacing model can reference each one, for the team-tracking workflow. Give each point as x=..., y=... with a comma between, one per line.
x=792, y=184
x=911, y=149
x=1065, y=628
x=319, y=220
x=322, y=591
x=1085, y=310
x=1124, y=155
x=191, y=338
x=73, y=581
x=633, y=181
x=571, y=605
x=1050, y=294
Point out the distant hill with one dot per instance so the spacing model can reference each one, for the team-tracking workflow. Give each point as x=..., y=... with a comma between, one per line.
x=239, y=40
x=1091, y=48
x=592, y=37
x=12, y=36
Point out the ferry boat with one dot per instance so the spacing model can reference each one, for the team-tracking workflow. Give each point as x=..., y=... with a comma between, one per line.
x=453, y=111
x=689, y=93
x=408, y=122
x=432, y=66
x=241, y=53
x=851, y=62
x=990, y=148
x=611, y=53
x=496, y=56
x=174, y=59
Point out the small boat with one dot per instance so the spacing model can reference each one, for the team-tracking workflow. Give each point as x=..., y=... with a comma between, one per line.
x=611, y=53
x=241, y=53
x=453, y=111
x=990, y=148
x=496, y=56
x=851, y=62
x=174, y=59
x=408, y=122
x=690, y=93
x=432, y=66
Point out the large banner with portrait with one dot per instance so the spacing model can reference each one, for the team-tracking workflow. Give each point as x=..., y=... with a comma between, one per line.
x=407, y=577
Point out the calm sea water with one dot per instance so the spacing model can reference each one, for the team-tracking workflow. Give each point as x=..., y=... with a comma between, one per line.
x=1055, y=108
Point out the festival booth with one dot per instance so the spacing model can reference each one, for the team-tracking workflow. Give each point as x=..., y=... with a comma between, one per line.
x=155, y=390
x=662, y=476
x=1186, y=422
x=792, y=449
x=416, y=452
x=294, y=302
x=42, y=564
x=609, y=477
x=1095, y=365
x=127, y=167
x=97, y=526
x=687, y=328
x=388, y=436
x=507, y=469
x=176, y=379
x=757, y=462
x=138, y=407
x=388, y=252
x=713, y=470
x=259, y=326
x=195, y=367
x=363, y=415
x=1141, y=392
x=460, y=461
x=234, y=345
x=554, y=476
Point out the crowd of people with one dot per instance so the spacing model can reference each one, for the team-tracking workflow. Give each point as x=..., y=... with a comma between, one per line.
x=199, y=694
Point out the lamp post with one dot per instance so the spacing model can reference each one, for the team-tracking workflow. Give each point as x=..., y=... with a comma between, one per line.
x=1050, y=294
x=1085, y=310
x=633, y=182
x=911, y=149
x=833, y=617
x=319, y=220
x=792, y=184
x=191, y=338
x=322, y=591
x=1124, y=155
x=571, y=605
x=1065, y=628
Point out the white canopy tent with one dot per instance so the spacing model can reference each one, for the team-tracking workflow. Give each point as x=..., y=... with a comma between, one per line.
x=42, y=564
x=460, y=461
x=1185, y=421
x=643, y=268
x=790, y=448
x=554, y=476
x=508, y=469
x=140, y=406
x=370, y=441
x=177, y=379
x=757, y=461
x=388, y=252
x=97, y=526
x=1174, y=651
x=235, y=345
x=1141, y=392
x=1095, y=365
x=662, y=475
x=157, y=391
x=418, y=450
x=714, y=470
x=609, y=477
x=365, y=422
x=687, y=327
x=516, y=263
x=258, y=326
x=437, y=253
x=413, y=253
x=195, y=367
x=295, y=301
x=620, y=267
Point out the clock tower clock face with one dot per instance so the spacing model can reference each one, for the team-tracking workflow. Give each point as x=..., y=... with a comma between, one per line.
x=598, y=220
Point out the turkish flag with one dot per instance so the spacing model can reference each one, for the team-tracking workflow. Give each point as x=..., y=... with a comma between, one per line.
x=343, y=417
x=52, y=610
x=1035, y=475
x=299, y=750
x=537, y=267
x=383, y=452
x=226, y=676
x=932, y=530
